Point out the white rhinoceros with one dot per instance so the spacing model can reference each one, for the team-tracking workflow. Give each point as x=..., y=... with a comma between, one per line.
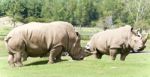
x=39, y=39
x=116, y=41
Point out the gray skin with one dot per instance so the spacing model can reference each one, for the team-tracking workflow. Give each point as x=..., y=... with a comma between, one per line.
x=116, y=41
x=39, y=39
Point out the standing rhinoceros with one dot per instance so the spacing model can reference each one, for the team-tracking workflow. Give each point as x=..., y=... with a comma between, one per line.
x=39, y=39
x=116, y=41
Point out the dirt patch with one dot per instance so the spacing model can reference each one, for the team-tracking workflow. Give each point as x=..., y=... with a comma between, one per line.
x=7, y=21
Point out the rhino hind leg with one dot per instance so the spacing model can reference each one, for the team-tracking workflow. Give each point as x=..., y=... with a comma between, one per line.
x=55, y=54
x=113, y=53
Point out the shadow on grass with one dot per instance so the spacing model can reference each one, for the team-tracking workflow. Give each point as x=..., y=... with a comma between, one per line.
x=42, y=62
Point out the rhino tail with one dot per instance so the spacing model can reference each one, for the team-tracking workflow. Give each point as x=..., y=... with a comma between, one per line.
x=6, y=39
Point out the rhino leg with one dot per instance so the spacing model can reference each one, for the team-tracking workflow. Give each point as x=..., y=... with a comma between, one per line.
x=11, y=60
x=24, y=56
x=18, y=61
x=113, y=53
x=98, y=55
x=123, y=56
x=55, y=54
x=58, y=57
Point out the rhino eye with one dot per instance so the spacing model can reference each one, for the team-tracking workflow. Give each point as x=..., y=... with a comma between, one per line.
x=135, y=40
x=138, y=35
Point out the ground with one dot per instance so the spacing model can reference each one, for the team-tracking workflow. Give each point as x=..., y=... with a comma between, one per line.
x=136, y=65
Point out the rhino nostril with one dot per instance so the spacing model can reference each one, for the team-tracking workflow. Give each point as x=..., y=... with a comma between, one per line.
x=140, y=47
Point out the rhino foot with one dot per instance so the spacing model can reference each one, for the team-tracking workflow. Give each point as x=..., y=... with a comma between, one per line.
x=98, y=55
x=51, y=62
x=19, y=64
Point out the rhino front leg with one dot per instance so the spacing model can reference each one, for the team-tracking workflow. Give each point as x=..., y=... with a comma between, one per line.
x=123, y=56
x=58, y=57
x=113, y=53
x=11, y=60
x=18, y=59
x=55, y=54
x=24, y=56
x=98, y=55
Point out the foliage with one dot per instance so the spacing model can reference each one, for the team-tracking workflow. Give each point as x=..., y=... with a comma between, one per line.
x=4, y=31
x=79, y=12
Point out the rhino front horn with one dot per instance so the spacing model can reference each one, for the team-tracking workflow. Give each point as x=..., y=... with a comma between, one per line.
x=145, y=38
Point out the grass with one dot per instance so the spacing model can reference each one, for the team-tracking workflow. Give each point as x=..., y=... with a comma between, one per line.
x=147, y=46
x=136, y=65
x=87, y=32
x=4, y=31
x=3, y=50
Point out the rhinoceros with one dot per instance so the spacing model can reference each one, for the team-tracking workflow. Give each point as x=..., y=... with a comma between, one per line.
x=39, y=39
x=116, y=41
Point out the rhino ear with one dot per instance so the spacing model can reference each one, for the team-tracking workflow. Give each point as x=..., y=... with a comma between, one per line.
x=128, y=27
x=131, y=28
x=139, y=31
x=87, y=47
x=77, y=33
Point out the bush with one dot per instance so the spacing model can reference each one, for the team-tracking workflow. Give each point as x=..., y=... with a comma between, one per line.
x=34, y=19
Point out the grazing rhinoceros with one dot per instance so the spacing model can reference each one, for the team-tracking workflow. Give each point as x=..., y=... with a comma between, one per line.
x=116, y=41
x=39, y=39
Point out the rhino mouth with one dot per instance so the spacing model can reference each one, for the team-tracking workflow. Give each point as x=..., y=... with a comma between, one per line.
x=138, y=50
x=78, y=59
x=141, y=49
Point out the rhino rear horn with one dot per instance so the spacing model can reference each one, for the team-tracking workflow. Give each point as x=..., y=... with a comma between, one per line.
x=145, y=38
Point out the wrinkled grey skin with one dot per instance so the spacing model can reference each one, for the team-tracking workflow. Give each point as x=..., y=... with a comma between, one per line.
x=40, y=39
x=116, y=41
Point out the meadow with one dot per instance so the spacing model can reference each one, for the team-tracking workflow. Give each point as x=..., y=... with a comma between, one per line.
x=136, y=65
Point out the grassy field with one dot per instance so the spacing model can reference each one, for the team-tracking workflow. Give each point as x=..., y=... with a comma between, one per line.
x=136, y=65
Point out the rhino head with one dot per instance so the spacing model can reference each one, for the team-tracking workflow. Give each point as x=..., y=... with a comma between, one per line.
x=137, y=41
x=77, y=52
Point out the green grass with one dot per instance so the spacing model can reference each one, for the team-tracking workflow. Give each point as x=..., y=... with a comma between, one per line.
x=136, y=65
x=147, y=46
x=87, y=32
x=4, y=31
x=3, y=50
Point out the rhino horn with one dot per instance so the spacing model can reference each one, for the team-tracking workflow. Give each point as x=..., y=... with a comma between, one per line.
x=144, y=39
